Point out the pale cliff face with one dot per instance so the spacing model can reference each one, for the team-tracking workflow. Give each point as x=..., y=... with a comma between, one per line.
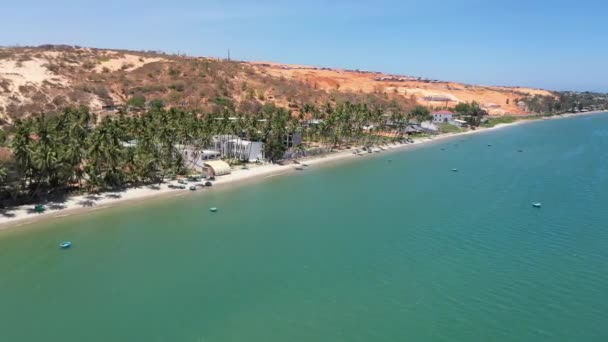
x=432, y=93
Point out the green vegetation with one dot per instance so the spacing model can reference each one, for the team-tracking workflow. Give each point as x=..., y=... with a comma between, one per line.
x=491, y=122
x=471, y=112
x=53, y=155
x=566, y=102
x=447, y=128
x=137, y=100
x=507, y=119
x=224, y=102
x=157, y=104
x=421, y=113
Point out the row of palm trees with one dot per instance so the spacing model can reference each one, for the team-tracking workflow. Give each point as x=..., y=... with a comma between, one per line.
x=78, y=150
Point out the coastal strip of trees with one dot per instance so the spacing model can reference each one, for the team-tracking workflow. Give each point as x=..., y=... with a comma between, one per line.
x=54, y=155
x=566, y=102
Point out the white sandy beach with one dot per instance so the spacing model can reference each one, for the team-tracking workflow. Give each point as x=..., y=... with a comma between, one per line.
x=19, y=216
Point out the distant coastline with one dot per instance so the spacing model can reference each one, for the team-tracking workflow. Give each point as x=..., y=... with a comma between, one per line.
x=14, y=218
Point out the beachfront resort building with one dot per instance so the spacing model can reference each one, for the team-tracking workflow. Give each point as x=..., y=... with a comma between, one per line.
x=442, y=116
x=232, y=146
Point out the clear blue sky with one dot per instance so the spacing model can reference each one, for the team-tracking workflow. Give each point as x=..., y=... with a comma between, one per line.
x=550, y=44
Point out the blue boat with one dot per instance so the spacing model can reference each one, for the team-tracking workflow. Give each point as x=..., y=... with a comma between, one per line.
x=65, y=244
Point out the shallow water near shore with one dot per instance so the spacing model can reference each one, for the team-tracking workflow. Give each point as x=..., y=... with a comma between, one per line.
x=364, y=250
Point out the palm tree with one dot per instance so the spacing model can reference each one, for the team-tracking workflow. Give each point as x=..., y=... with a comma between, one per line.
x=22, y=151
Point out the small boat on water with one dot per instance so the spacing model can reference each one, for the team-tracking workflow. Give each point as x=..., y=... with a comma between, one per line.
x=213, y=210
x=454, y=170
x=520, y=150
x=537, y=205
x=65, y=244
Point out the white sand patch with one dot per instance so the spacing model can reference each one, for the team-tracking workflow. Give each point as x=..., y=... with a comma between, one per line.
x=31, y=72
x=130, y=62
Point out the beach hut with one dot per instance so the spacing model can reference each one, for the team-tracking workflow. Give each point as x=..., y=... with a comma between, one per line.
x=215, y=168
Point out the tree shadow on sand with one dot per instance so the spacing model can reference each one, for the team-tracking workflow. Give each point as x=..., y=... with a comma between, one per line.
x=114, y=196
x=86, y=203
x=57, y=206
x=7, y=213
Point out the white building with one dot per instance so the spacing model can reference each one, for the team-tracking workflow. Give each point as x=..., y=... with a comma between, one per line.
x=246, y=150
x=442, y=116
x=231, y=146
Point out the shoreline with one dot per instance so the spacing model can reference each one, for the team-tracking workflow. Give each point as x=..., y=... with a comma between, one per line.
x=13, y=218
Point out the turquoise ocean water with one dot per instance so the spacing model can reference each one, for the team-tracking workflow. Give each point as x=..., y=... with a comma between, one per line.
x=364, y=250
